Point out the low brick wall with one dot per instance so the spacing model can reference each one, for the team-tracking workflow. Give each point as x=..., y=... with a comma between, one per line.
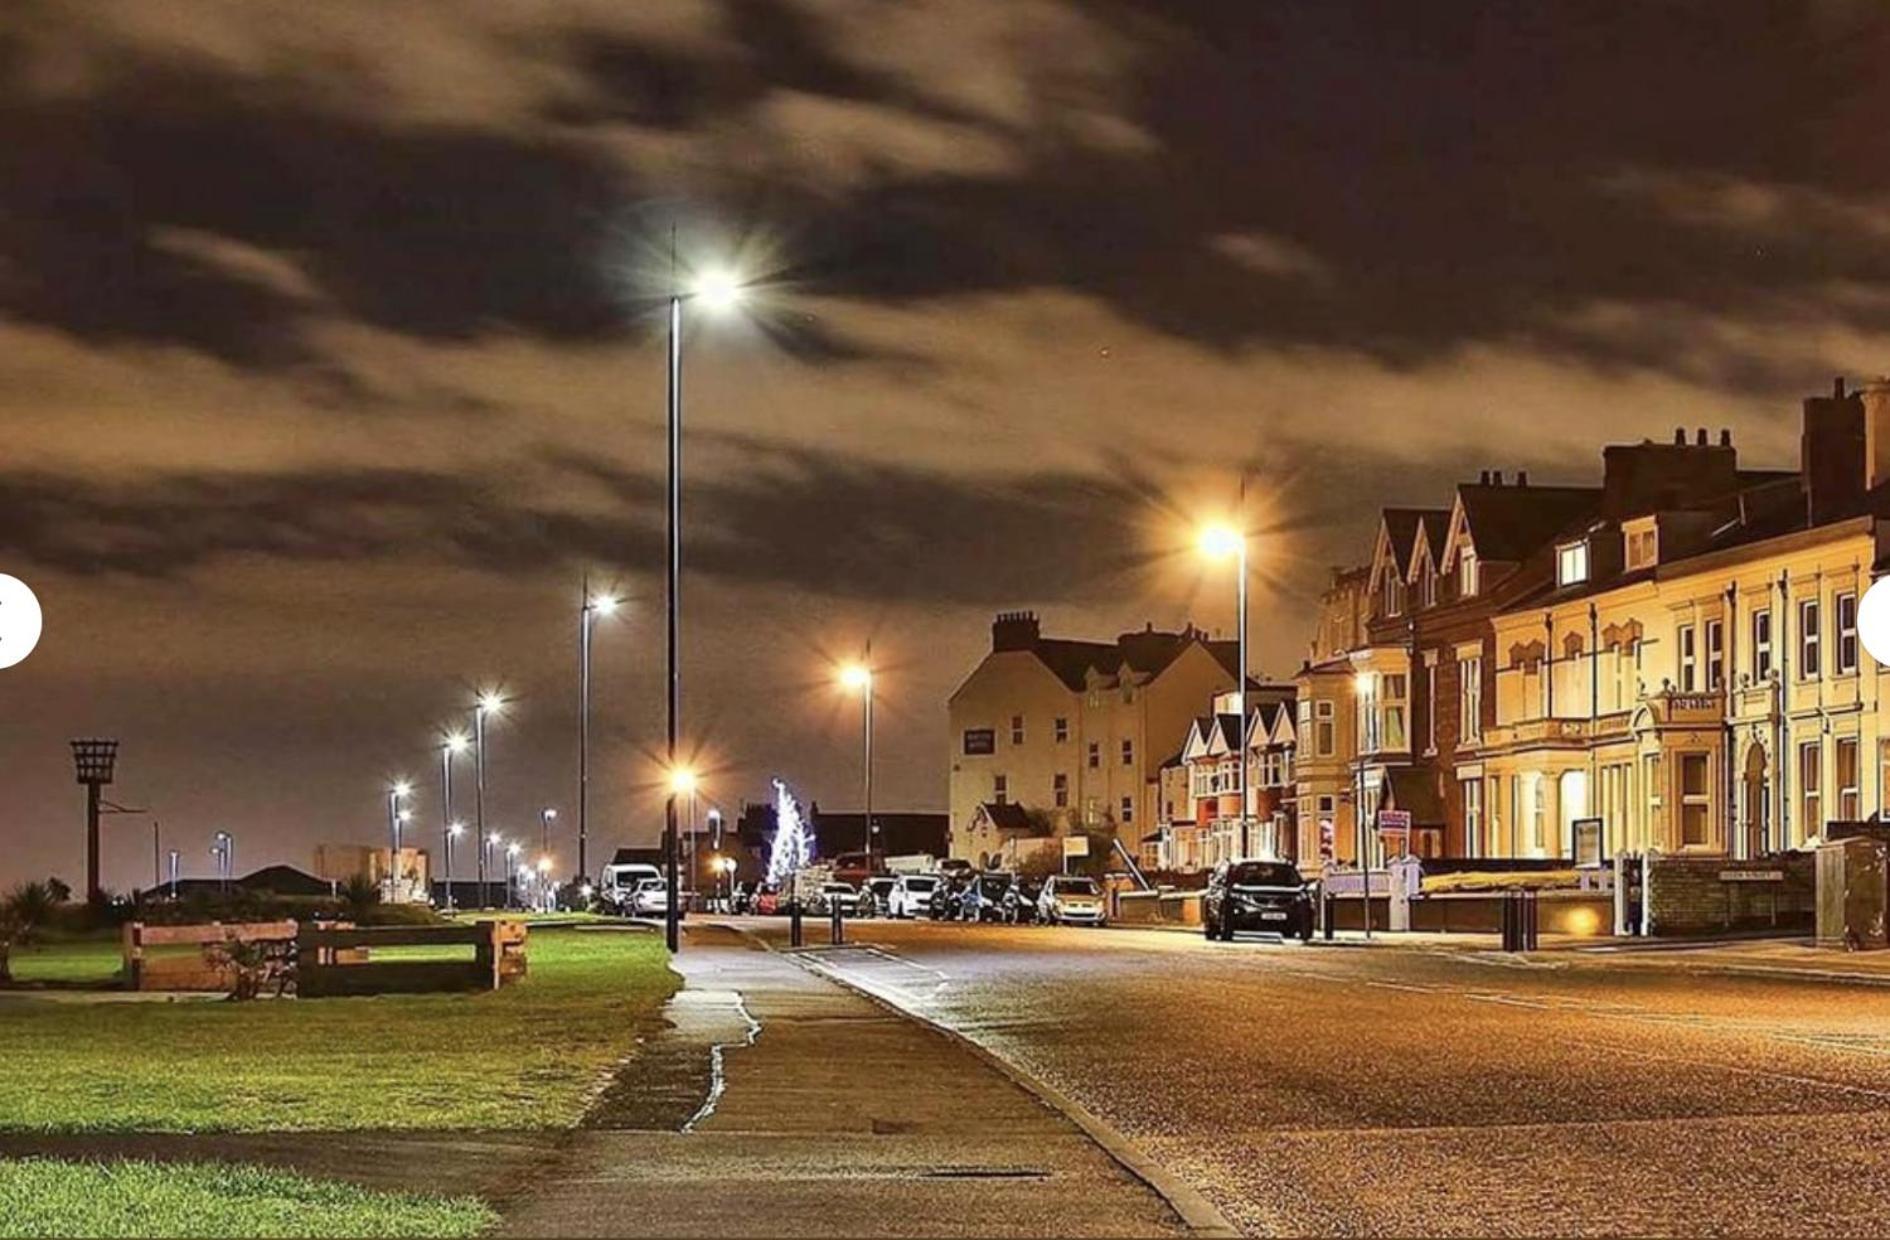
x=1557, y=912
x=1707, y=895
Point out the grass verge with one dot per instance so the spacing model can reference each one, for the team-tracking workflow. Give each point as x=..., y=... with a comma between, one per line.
x=49, y=1197
x=527, y=1056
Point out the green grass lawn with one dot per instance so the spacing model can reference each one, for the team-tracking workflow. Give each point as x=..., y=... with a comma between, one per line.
x=43, y=1197
x=92, y=962
x=523, y=1057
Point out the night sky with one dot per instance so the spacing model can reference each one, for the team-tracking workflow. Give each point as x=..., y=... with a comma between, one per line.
x=329, y=361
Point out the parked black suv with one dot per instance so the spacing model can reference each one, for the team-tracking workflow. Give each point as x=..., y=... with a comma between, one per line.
x=1257, y=895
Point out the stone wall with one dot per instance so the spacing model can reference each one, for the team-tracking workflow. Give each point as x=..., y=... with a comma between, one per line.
x=1709, y=895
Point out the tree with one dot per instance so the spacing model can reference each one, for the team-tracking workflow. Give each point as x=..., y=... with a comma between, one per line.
x=359, y=895
x=21, y=914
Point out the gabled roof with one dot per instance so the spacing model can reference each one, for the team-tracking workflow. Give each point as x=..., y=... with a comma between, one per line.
x=1506, y=523
x=1012, y=817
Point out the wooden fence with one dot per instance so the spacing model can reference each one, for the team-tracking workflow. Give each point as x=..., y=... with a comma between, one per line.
x=201, y=970
x=333, y=961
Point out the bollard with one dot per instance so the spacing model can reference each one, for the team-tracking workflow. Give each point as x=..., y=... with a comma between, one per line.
x=839, y=930
x=1529, y=910
x=1512, y=922
x=794, y=923
x=1327, y=906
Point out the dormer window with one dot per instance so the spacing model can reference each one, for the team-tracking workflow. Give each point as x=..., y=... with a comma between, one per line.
x=1571, y=564
x=1427, y=590
x=1643, y=547
x=1467, y=573
x=1394, y=595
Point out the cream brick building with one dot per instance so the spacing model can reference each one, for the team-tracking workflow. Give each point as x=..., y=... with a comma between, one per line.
x=1076, y=729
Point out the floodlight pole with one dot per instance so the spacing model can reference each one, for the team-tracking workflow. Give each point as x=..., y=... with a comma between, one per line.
x=672, y=927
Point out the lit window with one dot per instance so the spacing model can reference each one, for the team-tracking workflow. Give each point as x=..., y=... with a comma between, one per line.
x=1571, y=565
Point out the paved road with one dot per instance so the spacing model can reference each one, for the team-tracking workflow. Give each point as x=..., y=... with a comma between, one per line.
x=1332, y=1090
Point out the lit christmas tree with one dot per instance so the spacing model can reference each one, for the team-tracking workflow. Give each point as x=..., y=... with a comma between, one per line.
x=793, y=842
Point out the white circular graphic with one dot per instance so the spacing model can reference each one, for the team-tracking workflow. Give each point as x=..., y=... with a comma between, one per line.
x=20, y=620
x=1873, y=620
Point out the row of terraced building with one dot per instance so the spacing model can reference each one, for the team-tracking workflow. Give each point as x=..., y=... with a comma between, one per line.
x=1665, y=657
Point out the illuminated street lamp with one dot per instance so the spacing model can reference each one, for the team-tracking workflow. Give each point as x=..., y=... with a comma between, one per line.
x=489, y=703
x=396, y=818
x=1218, y=542
x=546, y=817
x=223, y=848
x=451, y=746
x=717, y=289
x=453, y=831
x=595, y=605
x=682, y=783
x=512, y=851
x=858, y=678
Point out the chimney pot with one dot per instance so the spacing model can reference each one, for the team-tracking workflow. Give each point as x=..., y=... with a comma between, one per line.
x=1496, y=477
x=1837, y=387
x=1701, y=438
x=1725, y=436
x=1522, y=477
x=1483, y=479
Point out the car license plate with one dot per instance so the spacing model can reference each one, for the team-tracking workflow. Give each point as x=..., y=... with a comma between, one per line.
x=1272, y=915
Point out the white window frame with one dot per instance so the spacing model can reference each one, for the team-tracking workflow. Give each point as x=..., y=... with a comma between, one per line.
x=1688, y=640
x=1762, y=663
x=1715, y=655
x=1571, y=564
x=1846, y=664
x=1810, y=638
x=1470, y=698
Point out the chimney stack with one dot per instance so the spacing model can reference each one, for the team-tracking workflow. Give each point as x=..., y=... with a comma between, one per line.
x=1522, y=477
x=1496, y=477
x=1725, y=437
x=1014, y=630
x=1483, y=479
x=1680, y=435
x=1876, y=398
x=1701, y=440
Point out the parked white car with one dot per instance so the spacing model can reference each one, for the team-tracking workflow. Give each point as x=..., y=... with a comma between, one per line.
x=876, y=896
x=650, y=899
x=618, y=884
x=912, y=895
x=834, y=893
x=1072, y=899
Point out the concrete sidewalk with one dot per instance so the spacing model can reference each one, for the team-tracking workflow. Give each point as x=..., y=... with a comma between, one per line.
x=822, y=1113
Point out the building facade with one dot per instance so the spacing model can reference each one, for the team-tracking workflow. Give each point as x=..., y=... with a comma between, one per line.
x=1076, y=729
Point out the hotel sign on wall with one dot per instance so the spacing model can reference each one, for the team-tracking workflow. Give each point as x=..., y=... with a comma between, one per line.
x=980, y=740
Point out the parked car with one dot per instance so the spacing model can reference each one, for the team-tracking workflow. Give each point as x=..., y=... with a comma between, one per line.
x=912, y=895
x=1072, y=899
x=650, y=898
x=948, y=896
x=835, y=894
x=1020, y=902
x=1257, y=895
x=986, y=896
x=618, y=884
x=875, y=894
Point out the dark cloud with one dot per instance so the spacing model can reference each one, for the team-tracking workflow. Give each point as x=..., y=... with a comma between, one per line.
x=808, y=520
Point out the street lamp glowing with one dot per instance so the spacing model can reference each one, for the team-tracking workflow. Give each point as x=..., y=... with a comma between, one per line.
x=682, y=781
x=456, y=830
x=456, y=742
x=490, y=703
x=1362, y=684
x=856, y=676
x=405, y=815
x=1220, y=540
x=402, y=788
x=718, y=289
x=605, y=604
x=544, y=865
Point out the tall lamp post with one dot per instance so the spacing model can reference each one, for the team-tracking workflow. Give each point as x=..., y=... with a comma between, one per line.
x=486, y=844
x=595, y=605
x=451, y=746
x=682, y=783
x=397, y=817
x=546, y=817
x=453, y=831
x=512, y=851
x=94, y=759
x=858, y=677
x=716, y=290
x=1219, y=542
x=489, y=703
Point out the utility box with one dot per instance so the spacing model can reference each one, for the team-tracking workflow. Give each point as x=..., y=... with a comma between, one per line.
x=1854, y=893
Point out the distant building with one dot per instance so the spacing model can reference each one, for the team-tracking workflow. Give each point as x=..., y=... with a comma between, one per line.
x=1076, y=729
x=341, y=862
